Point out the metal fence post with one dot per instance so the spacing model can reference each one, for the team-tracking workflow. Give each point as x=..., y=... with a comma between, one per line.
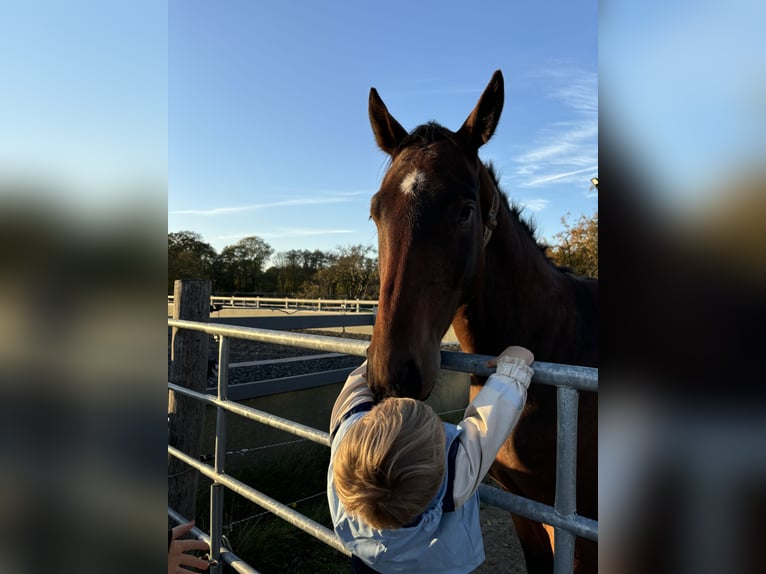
x=217, y=489
x=565, y=502
x=567, y=378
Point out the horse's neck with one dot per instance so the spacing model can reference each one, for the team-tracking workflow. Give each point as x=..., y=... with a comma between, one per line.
x=514, y=299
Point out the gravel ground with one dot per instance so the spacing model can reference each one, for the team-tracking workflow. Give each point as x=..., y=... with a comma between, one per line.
x=501, y=546
x=246, y=351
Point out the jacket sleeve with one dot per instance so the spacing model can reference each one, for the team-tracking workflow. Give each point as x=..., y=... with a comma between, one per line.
x=354, y=392
x=487, y=422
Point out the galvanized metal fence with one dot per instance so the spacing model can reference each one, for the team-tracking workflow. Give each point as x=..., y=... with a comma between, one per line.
x=569, y=380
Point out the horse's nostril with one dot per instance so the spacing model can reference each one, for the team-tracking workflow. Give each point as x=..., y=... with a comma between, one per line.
x=396, y=374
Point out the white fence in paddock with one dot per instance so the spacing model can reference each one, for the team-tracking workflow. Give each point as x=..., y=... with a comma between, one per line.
x=569, y=380
x=344, y=305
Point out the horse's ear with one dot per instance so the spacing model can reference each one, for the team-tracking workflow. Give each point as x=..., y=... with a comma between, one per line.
x=481, y=123
x=388, y=132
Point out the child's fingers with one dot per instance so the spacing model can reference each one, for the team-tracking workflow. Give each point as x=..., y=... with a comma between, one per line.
x=187, y=545
x=189, y=560
x=182, y=529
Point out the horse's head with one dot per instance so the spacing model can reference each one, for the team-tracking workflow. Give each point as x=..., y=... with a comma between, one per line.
x=430, y=212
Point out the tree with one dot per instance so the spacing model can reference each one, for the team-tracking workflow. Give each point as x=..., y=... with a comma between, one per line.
x=577, y=246
x=189, y=257
x=242, y=263
x=350, y=274
x=358, y=274
x=295, y=267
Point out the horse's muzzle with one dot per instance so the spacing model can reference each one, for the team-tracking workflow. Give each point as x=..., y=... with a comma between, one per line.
x=392, y=374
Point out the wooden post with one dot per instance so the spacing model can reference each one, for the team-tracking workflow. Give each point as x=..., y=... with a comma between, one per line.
x=185, y=415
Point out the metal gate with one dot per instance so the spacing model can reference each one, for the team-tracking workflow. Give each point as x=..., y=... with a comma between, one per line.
x=569, y=380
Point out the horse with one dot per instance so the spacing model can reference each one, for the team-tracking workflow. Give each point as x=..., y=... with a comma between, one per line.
x=453, y=250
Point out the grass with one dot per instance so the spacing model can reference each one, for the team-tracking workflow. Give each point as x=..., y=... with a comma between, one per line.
x=265, y=541
x=276, y=546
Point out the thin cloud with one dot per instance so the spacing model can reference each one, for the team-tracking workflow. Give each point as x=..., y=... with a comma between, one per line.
x=537, y=204
x=566, y=149
x=579, y=90
x=559, y=176
x=564, y=143
x=257, y=206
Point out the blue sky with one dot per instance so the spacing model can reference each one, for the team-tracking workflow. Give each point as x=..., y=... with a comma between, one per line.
x=268, y=132
x=83, y=107
x=684, y=86
x=193, y=106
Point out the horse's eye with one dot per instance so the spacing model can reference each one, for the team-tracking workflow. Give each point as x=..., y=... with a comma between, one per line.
x=465, y=214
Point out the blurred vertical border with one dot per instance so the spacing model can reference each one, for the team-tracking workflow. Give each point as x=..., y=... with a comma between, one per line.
x=682, y=168
x=83, y=201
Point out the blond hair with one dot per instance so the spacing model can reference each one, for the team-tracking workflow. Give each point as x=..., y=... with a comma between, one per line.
x=391, y=463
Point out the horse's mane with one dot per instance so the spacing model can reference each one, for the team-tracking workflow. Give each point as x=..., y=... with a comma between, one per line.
x=527, y=224
x=426, y=134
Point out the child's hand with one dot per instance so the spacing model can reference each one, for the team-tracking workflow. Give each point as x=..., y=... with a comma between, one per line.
x=513, y=352
x=177, y=553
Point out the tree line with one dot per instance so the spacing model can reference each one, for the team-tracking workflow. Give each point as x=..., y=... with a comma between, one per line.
x=349, y=272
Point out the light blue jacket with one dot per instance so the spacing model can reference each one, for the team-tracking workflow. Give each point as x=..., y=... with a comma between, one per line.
x=442, y=542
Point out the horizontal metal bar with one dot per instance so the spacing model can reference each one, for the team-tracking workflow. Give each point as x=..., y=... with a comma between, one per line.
x=577, y=525
x=252, y=414
x=274, y=506
x=285, y=322
x=318, y=342
x=252, y=390
x=580, y=378
x=226, y=555
x=286, y=360
x=293, y=300
x=293, y=303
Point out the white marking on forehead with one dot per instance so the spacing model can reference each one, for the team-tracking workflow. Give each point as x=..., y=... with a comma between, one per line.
x=412, y=181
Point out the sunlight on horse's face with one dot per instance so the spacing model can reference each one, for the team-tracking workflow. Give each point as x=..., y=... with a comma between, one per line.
x=429, y=247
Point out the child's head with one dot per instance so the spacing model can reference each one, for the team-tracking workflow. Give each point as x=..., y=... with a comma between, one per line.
x=390, y=463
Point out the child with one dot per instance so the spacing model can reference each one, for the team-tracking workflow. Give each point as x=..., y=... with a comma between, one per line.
x=402, y=485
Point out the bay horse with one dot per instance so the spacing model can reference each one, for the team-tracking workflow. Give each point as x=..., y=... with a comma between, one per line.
x=452, y=250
